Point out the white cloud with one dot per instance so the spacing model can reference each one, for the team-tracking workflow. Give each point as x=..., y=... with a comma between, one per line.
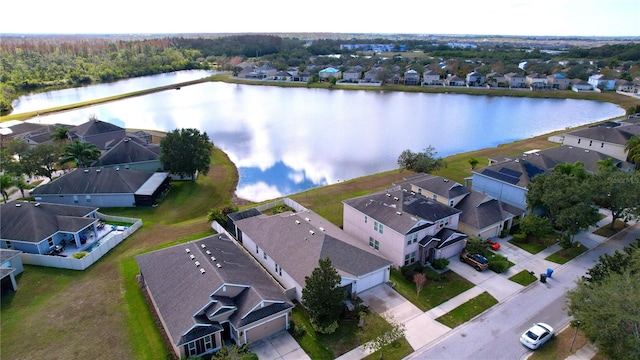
x=258, y=192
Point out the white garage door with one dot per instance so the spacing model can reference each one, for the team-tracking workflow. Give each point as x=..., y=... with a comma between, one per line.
x=371, y=280
x=452, y=250
x=266, y=329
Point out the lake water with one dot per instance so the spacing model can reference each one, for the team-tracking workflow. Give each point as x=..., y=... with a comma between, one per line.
x=287, y=140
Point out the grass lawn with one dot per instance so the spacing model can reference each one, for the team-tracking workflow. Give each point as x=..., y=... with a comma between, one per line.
x=100, y=312
x=347, y=337
x=608, y=232
x=534, y=245
x=468, y=310
x=563, y=255
x=433, y=293
x=523, y=278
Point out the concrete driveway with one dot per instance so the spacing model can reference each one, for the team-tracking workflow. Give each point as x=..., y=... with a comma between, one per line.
x=281, y=346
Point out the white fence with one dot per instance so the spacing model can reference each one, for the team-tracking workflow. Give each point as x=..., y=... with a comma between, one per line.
x=106, y=243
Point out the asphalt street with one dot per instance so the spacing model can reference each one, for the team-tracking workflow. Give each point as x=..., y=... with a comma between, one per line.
x=495, y=334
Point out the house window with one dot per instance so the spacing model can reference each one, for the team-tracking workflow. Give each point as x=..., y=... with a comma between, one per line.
x=406, y=259
x=601, y=145
x=375, y=226
x=374, y=243
x=579, y=141
x=451, y=203
x=257, y=249
x=208, y=344
x=191, y=348
x=412, y=238
x=75, y=199
x=264, y=254
x=278, y=270
x=8, y=244
x=435, y=197
x=50, y=241
x=446, y=222
x=365, y=219
x=380, y=228
x=420, y=191
x=413, y=257
x=590, y=142
x=88, y=198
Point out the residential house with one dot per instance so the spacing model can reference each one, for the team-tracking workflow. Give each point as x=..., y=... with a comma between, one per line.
x=496, y=79
x=454, y=80
x=626, y=86
x=36, y=228
x=607, y=140
x=431, y=77
x=602, y=82
x=578, y=85
x=131, y=153
x=282, y=76
x=370, y=76
x=395, y=223
x=100, y=133
x=536, y=81
x=290, y=245
x=475, y=78
x=481, y=215
x=302, y=77
x=558, y=82
x=208, y=292
x=352, y=75
x=268, y=71
x=507, y=178
x=329, y=73
x=10, y=266
x=107, y=187
x=411, y=77
x=515, y=80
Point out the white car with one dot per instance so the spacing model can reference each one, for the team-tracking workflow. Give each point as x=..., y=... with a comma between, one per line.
x=537, y=335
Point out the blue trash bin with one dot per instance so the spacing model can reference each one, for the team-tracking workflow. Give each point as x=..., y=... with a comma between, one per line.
x=549, y=272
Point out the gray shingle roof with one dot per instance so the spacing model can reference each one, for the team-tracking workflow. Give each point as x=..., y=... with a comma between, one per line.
x=96, y=181
x=617, y=135
x=30, y=223
x=401, y=210
x=6, y=254
x=438, y=185
x=297, y=245
x=129, y=150
x=94, y=127
x=183, y=295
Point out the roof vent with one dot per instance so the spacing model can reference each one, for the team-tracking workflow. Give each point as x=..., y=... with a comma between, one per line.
x=311, y=232
x=203, y=246
x=187, y=250
x=36, y=204
x=117, y=169
x=192, y=257
x=218, y=265
x=197, y=263
x=98, y=170
x=321, y=229
x=213, y=258
x=586, y=150
x=388, y=195
x=298, y=222
x=202, y=271
x=396, y=198
x=398, y=212
x=86, y=170
x=208, y=252
x=307, y=219
x=446, y=180
x=18, y=205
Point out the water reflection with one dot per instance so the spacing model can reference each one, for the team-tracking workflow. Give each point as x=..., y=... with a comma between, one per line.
x=286, y=140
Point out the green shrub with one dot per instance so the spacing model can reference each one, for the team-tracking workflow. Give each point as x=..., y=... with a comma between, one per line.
x=440, y=264
x=279, y=208
x=329, y=329
x=520, y=238
x=79, y=255
x=409, y=270
x=433, y=275
x=499, y=264
x=296, y=330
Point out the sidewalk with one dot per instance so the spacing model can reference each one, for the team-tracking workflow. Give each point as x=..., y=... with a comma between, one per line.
x=421, y=328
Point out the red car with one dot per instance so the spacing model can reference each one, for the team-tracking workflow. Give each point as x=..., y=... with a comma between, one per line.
x=494, y=245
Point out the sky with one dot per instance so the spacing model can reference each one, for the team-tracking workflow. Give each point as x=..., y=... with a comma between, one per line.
x=614, y=18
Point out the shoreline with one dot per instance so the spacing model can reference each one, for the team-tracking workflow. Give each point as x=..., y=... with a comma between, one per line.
x=621, y=100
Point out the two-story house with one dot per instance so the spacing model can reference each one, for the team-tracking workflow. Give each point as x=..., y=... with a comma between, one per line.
x=602, y=82
x=329, y=73
x=496, y=79
x=558, y=82
x=536, y=81
x=607, y=140
x=475, y=78
x=431, y=77
x=352, y=75
x=411, y=77
x=289, y=246
x=481, y=215
x=515, y=80
x=395, y=222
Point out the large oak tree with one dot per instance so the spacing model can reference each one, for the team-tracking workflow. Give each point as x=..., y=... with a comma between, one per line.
x=186, y=151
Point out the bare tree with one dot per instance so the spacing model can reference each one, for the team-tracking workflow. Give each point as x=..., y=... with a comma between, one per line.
x=420, y=280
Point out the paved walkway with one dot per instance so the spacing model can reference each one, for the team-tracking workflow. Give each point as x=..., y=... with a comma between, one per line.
x=421, y=328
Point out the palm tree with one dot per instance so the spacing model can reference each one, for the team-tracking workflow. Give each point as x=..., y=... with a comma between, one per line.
x=632, y=147
x=82, y=153
x=60, y=134
x=608, y=164
x=6, y=181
